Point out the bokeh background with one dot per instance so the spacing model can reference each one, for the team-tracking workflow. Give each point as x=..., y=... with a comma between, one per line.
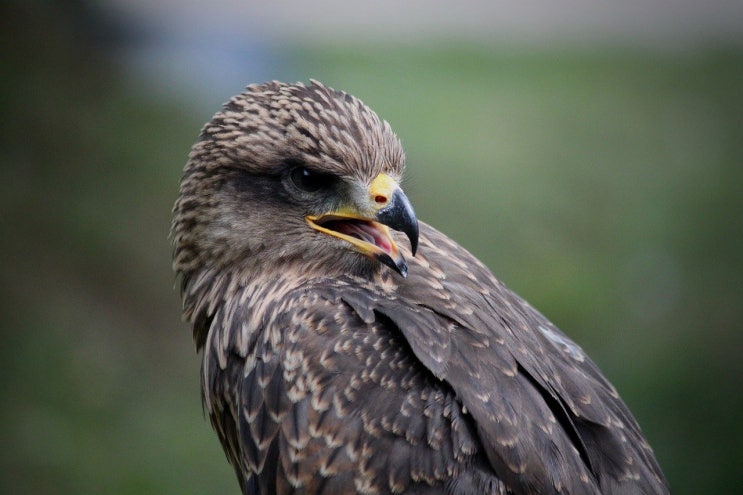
x=591, y=154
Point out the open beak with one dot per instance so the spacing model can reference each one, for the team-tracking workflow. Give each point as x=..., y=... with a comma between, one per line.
x=369, y=233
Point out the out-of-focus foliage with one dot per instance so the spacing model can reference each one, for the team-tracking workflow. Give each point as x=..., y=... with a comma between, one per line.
x=603, y=186
x=100, y=383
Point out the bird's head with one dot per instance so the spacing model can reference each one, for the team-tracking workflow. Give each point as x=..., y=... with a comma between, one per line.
x=294, y=174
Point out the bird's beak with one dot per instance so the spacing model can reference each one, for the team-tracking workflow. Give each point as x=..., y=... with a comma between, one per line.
x=366, y=227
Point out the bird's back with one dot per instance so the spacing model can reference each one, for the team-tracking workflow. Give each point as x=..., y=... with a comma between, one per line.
x=444, y=382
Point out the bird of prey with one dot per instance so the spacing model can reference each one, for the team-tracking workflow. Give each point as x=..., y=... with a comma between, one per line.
x=349, y=348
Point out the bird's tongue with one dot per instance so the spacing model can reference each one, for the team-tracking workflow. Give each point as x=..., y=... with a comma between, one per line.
x=365, y=231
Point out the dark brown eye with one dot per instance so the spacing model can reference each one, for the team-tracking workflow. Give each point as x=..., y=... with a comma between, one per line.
x=310, y=181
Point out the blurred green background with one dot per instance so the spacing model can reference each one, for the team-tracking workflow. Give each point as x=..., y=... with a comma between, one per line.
x=604, y=184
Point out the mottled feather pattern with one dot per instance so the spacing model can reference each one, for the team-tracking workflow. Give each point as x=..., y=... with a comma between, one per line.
x=351, y=355
x=325, y=372
x=509, y=339
x=332, y=374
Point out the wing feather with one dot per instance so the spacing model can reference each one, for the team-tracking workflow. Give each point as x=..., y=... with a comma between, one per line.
x=497, y=330
x=448, y=382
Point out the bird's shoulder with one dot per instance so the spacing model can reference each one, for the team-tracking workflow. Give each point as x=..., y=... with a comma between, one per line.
x=538, y=407
x=531, y=389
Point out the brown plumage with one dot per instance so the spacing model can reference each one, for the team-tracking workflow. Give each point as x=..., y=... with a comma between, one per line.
x=336, y=359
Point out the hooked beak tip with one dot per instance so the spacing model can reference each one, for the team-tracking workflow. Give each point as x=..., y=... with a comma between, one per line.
x=399, y=264
x=399, y=215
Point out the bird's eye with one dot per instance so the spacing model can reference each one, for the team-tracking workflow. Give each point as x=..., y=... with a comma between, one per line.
x=309, y=181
